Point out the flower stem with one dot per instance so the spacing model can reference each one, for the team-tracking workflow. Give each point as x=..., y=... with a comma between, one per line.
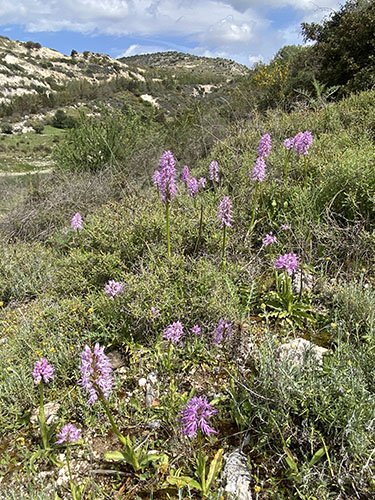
x=305, y=167
x=170, y=350
x=72, y=487
x=203, y=466
x=168, y=232
x=200, y=230
x=255, y=204
x=223, y=248
x=80, y=239
x=286, y=168
x=42, y=417
x=110, y=418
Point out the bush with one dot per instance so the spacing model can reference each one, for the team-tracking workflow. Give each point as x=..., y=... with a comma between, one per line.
x=62, y=120
x=38, y=127
x=96, y=143
x=6, y=128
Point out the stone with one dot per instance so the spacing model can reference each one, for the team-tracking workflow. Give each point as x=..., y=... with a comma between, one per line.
x=142, y=382
x=153, y=424
x=116, y=358
x=297, y=350
x=308, y=282
x=237, y=476
x=50, y=411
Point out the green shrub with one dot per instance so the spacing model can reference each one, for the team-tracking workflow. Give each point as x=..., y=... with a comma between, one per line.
x=6, y=128
x=38, y=127
x=96, y=143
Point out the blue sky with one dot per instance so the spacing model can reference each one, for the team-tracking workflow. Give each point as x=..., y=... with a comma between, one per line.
x=243, y=30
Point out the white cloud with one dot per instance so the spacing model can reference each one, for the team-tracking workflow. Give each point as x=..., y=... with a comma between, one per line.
x=254, y=59
x=239, y=28
x=136, y=49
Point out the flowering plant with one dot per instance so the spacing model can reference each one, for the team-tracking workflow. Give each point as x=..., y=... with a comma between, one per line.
x=194, y=419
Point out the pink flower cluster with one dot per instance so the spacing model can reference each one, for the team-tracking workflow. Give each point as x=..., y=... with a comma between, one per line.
x=42, y=371
x=259, y=171
x=195, y=417
x=193, y=186
x=223, y=332
x=69, y=433
x=288, y=262
x=96, y=373
x=214, y=171
x=269, y=239
x=225, y=212
x=174, y=332
x=165, y=177
x=185, y=176
x=76, y=222
x=300, y=142
x=113, y=288
x=265, y=146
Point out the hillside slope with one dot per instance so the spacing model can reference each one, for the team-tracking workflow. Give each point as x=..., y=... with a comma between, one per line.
x=182, y=61
x=28, y=68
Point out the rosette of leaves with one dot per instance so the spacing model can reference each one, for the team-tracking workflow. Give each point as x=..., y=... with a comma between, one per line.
x=287, y=307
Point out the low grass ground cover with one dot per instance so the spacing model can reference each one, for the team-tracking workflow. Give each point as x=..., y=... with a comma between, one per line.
x=22, y=152
x=200, y=323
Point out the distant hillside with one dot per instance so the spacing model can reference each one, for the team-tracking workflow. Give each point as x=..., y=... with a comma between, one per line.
x=28, y=68
x=195, y=64
x=36, y=80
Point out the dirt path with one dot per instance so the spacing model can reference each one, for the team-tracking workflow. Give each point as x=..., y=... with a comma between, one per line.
x=20, y=174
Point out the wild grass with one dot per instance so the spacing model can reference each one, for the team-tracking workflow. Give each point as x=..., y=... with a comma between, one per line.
x=308, y=431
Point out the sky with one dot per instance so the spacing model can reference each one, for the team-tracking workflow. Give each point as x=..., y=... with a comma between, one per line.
x=246, y=31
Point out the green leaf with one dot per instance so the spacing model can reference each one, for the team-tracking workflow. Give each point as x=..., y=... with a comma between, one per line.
x=135, y=403
x=115, y=456
x=181, y=481
x=290, y=459
x=317, y=456
x=215, y=467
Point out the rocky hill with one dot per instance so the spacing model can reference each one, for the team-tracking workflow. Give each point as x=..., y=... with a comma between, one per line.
x=28, y=68
x=36, y=80
x=188, y=62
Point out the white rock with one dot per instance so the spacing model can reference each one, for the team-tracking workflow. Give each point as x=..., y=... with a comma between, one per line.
x=142, y=382
x=153, y=424
x=50, y=412
x=238, y=476
x=296, y=351
x=152, y=377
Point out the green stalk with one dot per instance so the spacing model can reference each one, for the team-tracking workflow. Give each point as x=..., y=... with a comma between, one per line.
x=170, y=350
x=201, y=460
x=286, y=167
x=131, y=456
x=223, y=248
x=72, y=487
x=255, y=203
x=305, y=167
x=42, y=418
x=200, y=230
x=168, y=233
x=110, y=417
x=80, y=239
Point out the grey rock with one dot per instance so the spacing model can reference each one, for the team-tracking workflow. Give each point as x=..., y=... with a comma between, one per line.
x=308, y=282
x=150, y=394
x=297, y=351
x=116, y=358
x=50, y=411
x=238, y=476
x=153, y=424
